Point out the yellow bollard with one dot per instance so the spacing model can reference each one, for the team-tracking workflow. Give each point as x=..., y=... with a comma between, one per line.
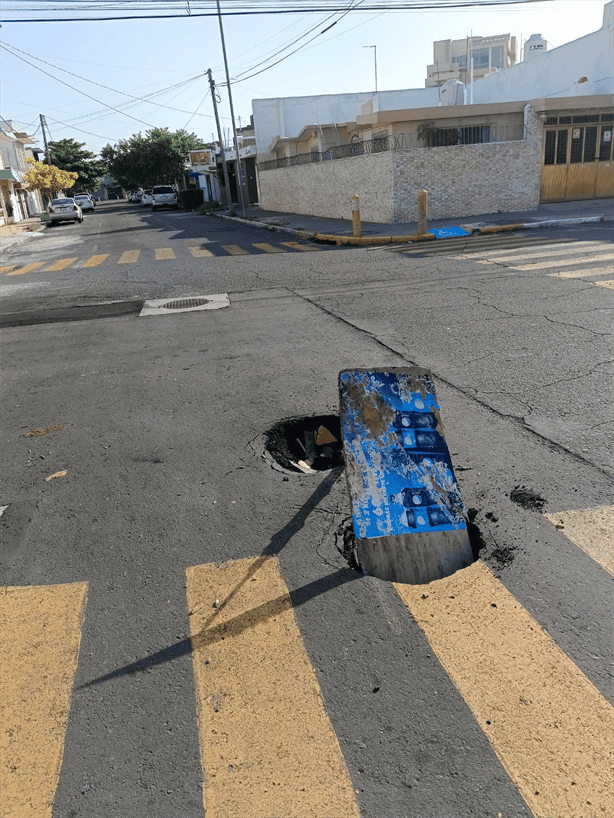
x=356, y=215
x=423, y=211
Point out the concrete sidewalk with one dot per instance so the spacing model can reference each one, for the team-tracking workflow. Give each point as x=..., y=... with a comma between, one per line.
x=340, y=231
x=11, y=234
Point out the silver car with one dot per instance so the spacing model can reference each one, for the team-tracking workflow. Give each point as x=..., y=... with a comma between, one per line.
x=64, y=210
x=85, y=202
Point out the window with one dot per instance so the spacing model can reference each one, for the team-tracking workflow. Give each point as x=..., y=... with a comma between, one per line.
x=607, y=117
x=561, y=148
x=605, y=148
x=480, y=57
x=590, y=145
x=496, y=59
x=577, y=140
x=564, y=120
x=591, y=118
x=462, y=60
x=549, y=152
x=552, y=120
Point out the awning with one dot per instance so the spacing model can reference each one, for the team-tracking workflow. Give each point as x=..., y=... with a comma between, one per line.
x=11, y=175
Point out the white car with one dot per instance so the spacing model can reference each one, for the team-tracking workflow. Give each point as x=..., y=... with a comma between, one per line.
x=64, y=210
x=164, y=196
x=84, y=200
x=146, y=198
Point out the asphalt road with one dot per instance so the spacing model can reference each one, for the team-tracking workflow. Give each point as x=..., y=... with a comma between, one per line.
x=181, y=634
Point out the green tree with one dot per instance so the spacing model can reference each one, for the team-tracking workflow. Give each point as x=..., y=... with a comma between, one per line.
x=159, y=157
x=70, y=155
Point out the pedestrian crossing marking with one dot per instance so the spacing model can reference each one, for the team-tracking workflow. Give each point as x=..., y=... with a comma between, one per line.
x=96, y=261
x=609, y=284
x=295, y=245
x=235, y=250
x=200, y=252
x=267, y=745
x=592, y=271
x=543, y=265
x=526, y=252
x=164, y=253
x=7, y=268
x=269, y=248
x=129, y=257
x=592, y=530
x=40, y=632
x=551, y=728
x=34, y=265
x=61, y=264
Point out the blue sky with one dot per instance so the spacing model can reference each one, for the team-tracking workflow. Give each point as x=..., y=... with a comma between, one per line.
x=142, y=57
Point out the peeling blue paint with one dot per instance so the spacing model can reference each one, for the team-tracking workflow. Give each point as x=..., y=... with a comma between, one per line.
x=399, y=469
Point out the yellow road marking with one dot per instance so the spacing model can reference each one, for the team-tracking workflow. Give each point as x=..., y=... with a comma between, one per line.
x=235, y=250
x=269, y=248
x=200, y=252
x=296, y=246
x=163, y=253
x=34, y=265
x=564, y=262
x=540, y=250
x=593, y=271
x=61, y=264
x=7, y=268
x=40, y=631
x=129, y=257
x=267, y=745
x=96, y=261
x=609, y=284
x=551, y=728
x=592, y=530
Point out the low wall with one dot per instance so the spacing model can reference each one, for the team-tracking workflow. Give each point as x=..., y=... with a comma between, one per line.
x=324, y=188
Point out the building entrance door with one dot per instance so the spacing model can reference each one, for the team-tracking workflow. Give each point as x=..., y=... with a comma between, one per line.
x=578, y=162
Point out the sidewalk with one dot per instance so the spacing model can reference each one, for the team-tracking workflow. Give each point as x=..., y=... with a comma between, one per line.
x=340, y=231
x=11, y=234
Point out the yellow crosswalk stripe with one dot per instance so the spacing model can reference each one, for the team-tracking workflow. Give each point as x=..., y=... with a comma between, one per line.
x=235, y=250
x=129, y=257
x=163, y=253
x=542, y=265
x=40, y=632
x=609, y=284
x=591, y=271
x=61, y=264
x=96, y=261
x=200, y=252
x=297, y=246
x=269, y=248
x=592, y=530
x=34, y=265
x=7, y=268
x=551, y=728
x=267, y=745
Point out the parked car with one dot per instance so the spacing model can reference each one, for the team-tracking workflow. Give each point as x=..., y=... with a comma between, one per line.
x=137, y=195
x=64, y=210
x=164, y=196
x=146, y=198
x=85, y=202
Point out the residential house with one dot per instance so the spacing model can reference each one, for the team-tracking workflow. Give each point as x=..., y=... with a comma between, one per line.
x=18, y=202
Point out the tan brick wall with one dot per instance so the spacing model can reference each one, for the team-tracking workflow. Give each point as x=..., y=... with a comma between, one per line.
x=462, y=181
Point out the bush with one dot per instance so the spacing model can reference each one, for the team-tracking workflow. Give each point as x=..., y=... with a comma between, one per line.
x=207, y=207
x=190, y=199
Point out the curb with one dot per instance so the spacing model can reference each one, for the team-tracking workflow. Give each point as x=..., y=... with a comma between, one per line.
x=376, y=240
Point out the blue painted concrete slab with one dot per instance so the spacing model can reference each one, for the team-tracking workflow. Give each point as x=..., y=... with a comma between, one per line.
x=398, y=467
x=448, y=232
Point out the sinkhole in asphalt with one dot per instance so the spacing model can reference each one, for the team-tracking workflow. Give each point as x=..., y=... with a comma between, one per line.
x=307, y=445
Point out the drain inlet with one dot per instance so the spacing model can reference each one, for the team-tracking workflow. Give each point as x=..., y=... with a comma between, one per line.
x=307, y=445
x=184, y=304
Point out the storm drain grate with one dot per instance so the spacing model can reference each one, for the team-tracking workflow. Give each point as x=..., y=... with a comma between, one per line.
x=184, y=304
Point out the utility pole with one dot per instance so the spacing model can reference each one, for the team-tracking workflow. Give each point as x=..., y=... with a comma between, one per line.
x=232, y=117
x=374, y=47
x=43, y=127
x=219, y=136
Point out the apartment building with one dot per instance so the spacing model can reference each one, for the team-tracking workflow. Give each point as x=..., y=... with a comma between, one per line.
x=452, y=58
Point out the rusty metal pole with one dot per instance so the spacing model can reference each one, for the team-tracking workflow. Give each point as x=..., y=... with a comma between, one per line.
x=356, y=223
x=423, y=211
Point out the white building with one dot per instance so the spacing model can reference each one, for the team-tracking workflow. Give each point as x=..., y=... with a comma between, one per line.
x=17, y=202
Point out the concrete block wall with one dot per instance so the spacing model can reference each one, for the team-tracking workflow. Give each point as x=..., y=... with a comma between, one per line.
x=324, y=188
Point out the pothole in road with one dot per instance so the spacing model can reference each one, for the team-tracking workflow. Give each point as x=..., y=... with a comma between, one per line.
x=307, y=445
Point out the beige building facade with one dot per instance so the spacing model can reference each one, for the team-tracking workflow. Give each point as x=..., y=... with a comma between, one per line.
x=452, y=59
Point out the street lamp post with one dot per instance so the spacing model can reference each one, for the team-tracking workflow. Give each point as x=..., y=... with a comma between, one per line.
x=374, y=47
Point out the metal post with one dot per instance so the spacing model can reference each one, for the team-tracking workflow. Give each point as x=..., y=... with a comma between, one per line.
x=374, y=47
x=219, y=136
x=232, y=116
x=356, y=223
x=423, y=211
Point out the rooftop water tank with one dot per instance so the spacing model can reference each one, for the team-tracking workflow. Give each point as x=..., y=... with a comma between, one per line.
x=452, y=93
x=535, y=46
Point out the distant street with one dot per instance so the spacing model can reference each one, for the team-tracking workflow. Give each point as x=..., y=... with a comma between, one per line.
x=183, y=632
